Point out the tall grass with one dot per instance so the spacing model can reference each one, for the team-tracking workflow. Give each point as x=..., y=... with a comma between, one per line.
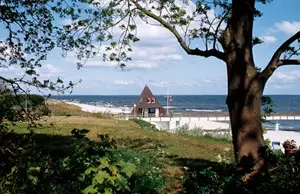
x=58, y=108
x=214, y=135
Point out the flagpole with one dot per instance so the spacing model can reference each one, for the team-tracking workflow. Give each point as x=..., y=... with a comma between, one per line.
x=168, y=95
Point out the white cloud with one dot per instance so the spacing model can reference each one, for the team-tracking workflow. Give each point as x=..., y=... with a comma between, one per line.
x=160, y=84
x=7, y=69
x=288, y=27
x=158, y=52
x=172, y=57
x=192, y=84
x=269, y=39
x=131, y=65
x=66, y=21
x=207, y=81
x=143, y=57
x=122, y=82
x=147, y=31
x=140, y=64
x=49, y=70
x=285, y=77
x=12, y=71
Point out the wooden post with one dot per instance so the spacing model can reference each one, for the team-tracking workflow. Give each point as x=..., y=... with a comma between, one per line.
x=277, y=126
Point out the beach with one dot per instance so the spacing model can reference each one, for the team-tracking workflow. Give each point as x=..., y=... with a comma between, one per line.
x=104, y=109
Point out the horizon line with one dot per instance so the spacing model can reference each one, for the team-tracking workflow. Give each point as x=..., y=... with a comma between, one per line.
x=162, y=94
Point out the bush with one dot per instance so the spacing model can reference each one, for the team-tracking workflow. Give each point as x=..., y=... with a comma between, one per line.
x=225, y=137
x=148, y=177
x=20, y=107
x=144, y=124
x=223, y=178
x=90, y=167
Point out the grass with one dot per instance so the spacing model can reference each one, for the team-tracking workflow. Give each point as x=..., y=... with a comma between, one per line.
x=189, y=164
x=59, y=108
x=177, y=150
x=129, y=133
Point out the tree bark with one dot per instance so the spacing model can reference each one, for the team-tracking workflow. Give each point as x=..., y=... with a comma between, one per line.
x=245, y=88
x=243, y=100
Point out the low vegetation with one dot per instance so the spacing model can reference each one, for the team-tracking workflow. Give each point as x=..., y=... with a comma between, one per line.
x=217, y=135
x=144, y=124
x=76, y=154
x=59, y=108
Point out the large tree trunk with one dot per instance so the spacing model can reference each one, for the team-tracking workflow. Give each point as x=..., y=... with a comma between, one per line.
x=244, y=90
x=243, y=100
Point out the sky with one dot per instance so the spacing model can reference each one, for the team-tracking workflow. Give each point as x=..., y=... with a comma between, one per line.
x=159, y=62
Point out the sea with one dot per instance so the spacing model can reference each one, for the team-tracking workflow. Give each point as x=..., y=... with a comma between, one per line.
x=191, y=104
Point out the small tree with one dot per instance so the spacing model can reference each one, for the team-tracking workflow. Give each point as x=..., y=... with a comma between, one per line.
x=31, y=28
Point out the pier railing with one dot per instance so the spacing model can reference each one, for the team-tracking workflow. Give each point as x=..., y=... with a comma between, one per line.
x=214, y=116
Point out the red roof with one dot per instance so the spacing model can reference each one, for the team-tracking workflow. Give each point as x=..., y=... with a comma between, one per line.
x=147, y=100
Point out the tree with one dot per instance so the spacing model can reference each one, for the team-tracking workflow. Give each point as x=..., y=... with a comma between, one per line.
x=29, y=30
x=226, y=30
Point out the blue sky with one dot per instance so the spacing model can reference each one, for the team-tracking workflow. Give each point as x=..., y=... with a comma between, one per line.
x=158, y=59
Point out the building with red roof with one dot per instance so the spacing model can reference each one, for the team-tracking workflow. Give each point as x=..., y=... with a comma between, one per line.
x=147, y=105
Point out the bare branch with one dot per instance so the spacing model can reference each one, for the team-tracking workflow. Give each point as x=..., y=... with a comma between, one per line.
x=205, y=53
x=275, y=61
x=218, y=27
x=288, y=62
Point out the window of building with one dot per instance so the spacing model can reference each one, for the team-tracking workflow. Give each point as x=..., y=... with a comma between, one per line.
x=153, y=100
x=148, y=100
x=151, y=110
x=141, y=100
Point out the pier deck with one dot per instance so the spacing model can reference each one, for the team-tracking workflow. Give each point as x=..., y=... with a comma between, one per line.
x=221, y=116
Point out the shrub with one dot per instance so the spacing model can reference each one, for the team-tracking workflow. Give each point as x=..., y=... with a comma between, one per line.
x=79, y=133
x=144, y=124
x=148, y=177
x=216, y=136
x=223, y=178
x=89, y=167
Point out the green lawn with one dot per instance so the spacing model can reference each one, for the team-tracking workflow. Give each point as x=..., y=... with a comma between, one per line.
x=128, y=133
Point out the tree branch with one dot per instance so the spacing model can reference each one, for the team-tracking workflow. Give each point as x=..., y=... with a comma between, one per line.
x=288, y=62
x=205, y=53
x=275, y=61
x=218, y=27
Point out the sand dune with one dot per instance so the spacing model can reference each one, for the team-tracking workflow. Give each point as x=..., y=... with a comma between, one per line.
x=95, y=109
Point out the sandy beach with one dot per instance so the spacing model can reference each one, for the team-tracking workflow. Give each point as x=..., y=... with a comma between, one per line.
x=104, y=109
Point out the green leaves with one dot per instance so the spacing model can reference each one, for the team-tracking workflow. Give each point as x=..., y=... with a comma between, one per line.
x=127, y=168
x=90, y=190
x=101, y=176
x=31, y=72
x=109, y=177
x=267, y=106
x=256, y=41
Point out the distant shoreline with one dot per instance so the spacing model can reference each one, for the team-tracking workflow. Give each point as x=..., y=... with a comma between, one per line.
x=127, y=110
x=103, y=109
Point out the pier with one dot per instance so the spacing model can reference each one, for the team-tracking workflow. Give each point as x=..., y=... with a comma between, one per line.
x=225, y=116
x=219, y=117
x=206, y=121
